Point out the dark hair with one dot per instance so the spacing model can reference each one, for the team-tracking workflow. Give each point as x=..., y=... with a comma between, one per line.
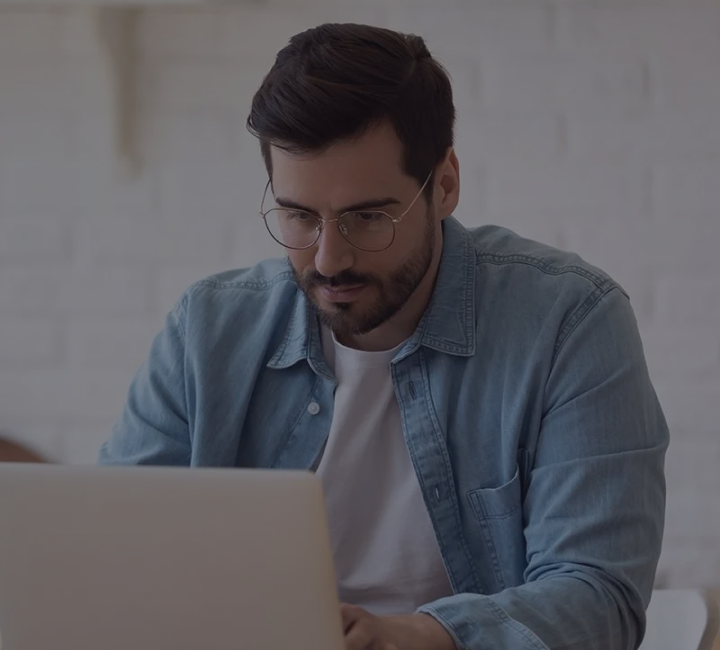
x=335, y=81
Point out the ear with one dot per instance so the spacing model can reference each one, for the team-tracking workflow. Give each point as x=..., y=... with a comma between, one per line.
x=447, y=185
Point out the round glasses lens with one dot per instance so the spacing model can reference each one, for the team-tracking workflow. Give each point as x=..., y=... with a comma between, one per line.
x=292, y=228
x=369, y=231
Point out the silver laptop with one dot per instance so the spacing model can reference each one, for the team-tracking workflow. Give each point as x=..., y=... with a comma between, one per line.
x=140, y=558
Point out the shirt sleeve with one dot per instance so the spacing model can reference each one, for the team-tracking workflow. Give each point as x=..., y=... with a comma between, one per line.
x=153, y=428
x=594, y=507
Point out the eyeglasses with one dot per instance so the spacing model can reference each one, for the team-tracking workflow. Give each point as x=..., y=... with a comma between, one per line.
x=369, y=230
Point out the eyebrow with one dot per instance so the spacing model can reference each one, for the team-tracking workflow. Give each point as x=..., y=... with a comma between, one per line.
x=369, y=204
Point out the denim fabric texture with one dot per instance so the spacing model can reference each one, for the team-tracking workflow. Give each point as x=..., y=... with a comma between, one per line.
x=530, y=418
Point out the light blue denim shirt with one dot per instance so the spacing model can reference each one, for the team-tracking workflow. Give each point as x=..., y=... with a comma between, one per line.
x=527, y=409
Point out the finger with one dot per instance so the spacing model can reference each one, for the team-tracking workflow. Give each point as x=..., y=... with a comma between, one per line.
x=350, y=614
x=359, y=636
x=347, y=608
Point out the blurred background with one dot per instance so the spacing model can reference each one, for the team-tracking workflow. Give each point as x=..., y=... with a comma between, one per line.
x=126, y=173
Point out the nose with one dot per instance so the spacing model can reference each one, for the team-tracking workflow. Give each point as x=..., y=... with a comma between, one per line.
x=333, y=252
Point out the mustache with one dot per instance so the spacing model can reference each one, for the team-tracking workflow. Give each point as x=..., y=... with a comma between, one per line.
x=342, y=279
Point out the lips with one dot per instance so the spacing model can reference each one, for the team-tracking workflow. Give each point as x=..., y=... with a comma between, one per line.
x=341, y=294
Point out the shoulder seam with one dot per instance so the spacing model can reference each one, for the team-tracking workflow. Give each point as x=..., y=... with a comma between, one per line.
x=550, y=269
x=250, y=284
x=580, y=313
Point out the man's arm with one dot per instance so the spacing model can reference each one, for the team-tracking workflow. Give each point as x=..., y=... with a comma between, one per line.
x=594, y=504
x=153, y=428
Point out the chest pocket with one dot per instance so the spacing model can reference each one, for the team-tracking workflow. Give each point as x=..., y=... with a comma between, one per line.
x=500, y=516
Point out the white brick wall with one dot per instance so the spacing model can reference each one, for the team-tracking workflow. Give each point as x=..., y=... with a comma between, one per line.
x=591, y=125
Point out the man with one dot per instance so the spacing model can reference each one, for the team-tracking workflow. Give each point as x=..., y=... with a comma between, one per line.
x=477, y=405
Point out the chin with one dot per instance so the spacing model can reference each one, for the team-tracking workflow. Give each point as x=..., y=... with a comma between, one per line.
x=340, y=320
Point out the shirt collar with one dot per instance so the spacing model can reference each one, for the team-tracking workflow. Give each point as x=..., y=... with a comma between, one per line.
x=448, y=324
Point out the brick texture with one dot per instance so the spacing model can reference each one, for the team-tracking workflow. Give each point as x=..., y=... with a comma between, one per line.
x=590, y=125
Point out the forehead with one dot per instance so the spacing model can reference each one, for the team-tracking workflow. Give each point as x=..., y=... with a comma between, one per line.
x=347, y=171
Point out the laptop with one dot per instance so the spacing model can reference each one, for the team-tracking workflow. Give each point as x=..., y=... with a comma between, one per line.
x=159, y=558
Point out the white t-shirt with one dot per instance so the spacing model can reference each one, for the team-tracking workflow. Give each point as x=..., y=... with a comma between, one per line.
x=386, y=554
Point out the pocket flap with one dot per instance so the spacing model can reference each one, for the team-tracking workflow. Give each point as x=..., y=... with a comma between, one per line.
x=497, y=502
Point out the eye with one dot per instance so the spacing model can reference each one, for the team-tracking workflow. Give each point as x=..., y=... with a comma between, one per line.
x=298, y=216
x=368, y=217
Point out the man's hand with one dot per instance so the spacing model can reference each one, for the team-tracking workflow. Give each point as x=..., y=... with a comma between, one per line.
x=365, y=631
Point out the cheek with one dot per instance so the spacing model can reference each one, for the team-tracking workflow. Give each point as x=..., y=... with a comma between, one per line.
x=379, y=264
x=302, y=261
x=406, y=245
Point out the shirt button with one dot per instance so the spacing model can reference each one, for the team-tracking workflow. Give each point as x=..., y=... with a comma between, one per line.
x=313, y=408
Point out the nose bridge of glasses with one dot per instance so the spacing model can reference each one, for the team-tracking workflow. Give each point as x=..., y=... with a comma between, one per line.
x=341, y=222
x=324, y=228
x=332, y=249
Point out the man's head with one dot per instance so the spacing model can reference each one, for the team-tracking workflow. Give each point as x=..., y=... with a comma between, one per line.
x=358, y=119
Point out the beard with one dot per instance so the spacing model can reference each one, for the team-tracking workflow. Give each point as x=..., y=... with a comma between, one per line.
x=392, y=292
